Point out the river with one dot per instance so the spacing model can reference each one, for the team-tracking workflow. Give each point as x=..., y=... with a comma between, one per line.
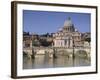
x=43, y=61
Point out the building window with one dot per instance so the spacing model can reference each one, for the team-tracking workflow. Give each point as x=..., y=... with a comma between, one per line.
x=65, y=41
x=27, y=45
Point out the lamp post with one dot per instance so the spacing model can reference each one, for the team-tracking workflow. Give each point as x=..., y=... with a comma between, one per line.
x=73, y=51
x=54, y=52
x=33, y=52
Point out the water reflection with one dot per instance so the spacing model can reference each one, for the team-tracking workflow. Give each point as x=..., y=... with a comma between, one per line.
x=44, y=61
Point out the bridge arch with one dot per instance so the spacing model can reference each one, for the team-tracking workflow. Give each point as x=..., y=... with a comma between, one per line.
x=81, y=53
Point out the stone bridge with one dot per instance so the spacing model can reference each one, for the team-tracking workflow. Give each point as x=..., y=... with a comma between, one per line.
x=52, y=51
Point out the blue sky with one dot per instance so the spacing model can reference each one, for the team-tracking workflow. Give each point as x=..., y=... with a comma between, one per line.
x=42, y=22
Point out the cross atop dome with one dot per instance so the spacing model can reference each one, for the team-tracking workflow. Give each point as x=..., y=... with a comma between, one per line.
x=69, y=18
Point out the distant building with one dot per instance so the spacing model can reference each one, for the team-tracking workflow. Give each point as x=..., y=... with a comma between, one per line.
x=86, y=35
x=86, y=38
x=68, y=36
x=27, y=39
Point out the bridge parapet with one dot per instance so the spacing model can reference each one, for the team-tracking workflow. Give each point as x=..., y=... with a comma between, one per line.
x=56, y=50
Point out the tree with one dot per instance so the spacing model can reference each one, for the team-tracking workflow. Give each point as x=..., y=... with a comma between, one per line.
x=45, y=43
x=88, y=39
x=35, y=43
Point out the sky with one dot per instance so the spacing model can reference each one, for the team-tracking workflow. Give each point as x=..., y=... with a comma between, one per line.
x=41, y=22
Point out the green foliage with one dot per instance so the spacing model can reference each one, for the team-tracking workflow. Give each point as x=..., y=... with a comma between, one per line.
x=41, y=42
x=45, y=43
x=35, y=43
x=87, y=39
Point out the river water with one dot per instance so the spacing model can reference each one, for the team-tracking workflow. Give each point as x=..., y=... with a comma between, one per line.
x=43, y=61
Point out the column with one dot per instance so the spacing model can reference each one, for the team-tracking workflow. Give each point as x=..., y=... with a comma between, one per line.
x=67, y=43
x=31, y=43
x=55, y=43
x=63, y=43
x=71, y=43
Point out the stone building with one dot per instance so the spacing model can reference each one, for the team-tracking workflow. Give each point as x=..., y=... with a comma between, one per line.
x=27, y=40
x=86, y=38
x=68, y=36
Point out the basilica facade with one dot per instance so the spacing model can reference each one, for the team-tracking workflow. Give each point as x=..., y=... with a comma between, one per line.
x=68, y=36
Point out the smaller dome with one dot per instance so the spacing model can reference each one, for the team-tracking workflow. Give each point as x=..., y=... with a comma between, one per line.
x=60, y=29
x=76, y=30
